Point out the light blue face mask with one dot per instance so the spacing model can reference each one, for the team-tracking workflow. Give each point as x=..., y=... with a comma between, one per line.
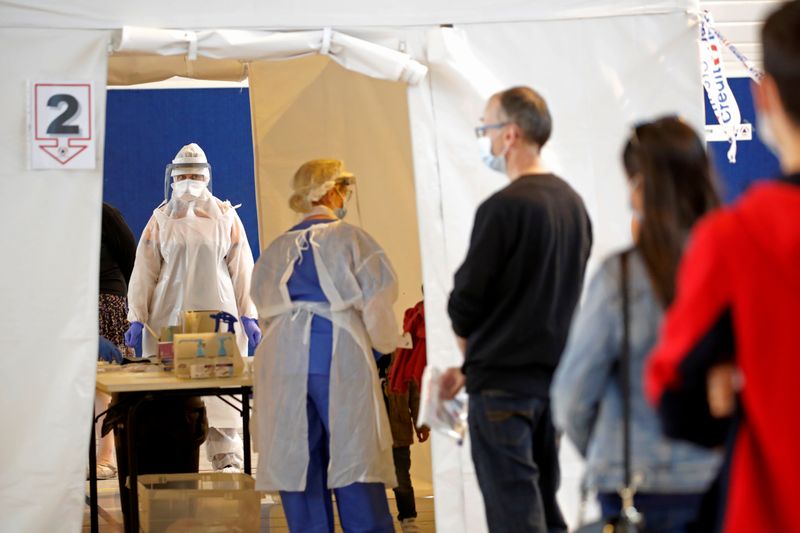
x=494, y=162
x=341, y=212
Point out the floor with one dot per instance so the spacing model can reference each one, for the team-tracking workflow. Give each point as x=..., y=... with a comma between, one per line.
x=272, y=517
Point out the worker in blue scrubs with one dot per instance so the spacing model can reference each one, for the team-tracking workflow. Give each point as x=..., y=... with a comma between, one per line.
x=324, y=291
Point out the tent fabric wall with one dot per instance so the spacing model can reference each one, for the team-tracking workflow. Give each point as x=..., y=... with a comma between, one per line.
x=596, y=93
x=312, y=108
x=312, y=13
x=352, y=53
x=629, y=61
x=49, y=286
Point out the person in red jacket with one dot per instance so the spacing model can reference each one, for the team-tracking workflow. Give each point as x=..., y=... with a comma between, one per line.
x=401, y=391
x=729, y=342
x=409, y=363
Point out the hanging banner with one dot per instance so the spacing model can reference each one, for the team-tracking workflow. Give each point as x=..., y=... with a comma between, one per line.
x=61, y=124
x=715, y=82
x=754, y=72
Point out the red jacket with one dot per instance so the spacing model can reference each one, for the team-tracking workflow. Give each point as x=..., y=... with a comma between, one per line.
x=408, y=364
x=740, y=277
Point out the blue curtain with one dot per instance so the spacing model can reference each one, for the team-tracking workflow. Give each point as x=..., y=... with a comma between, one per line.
x=146, y=127
x=754, y=161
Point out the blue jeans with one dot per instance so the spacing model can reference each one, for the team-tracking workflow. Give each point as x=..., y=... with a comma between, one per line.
x=515, y=453
x=663, y=513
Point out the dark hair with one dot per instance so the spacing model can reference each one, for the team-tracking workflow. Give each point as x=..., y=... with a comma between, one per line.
x=630, y=160
x=780, y=36
x=678, y=190
x=527, y=109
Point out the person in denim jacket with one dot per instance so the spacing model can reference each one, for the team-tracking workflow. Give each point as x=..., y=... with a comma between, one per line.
x=669, y=176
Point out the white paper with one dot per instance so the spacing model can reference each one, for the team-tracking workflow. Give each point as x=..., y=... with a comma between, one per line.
x=448, y=417
x=62, y=130
x=405, y=342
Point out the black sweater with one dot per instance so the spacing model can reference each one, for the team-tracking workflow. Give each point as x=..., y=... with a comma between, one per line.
x=514, y=295
x=117, y=252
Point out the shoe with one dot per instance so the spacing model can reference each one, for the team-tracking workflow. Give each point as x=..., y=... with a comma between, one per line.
x=222, y=462
x=409, y=525
x=106, y=471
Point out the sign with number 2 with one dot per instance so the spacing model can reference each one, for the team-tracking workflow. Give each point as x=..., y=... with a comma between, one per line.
x=62, y=126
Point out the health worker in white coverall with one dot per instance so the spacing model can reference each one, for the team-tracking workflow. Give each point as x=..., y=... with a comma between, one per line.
x=194, y=255
x=325, y=291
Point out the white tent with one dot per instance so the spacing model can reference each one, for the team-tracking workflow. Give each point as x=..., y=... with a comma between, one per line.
x=601, y=64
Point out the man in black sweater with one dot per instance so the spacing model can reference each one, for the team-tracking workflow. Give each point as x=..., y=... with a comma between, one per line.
x=511, y=308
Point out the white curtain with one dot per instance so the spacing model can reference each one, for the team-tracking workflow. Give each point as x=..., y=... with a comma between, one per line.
x=49, y=285
x=354, y=54
x=312, y=108
x=294, y=14
x=599, y=77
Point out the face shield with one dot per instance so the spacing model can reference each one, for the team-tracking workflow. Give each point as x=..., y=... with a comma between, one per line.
x=179, y=172
x=188, y=174
x=346, y=187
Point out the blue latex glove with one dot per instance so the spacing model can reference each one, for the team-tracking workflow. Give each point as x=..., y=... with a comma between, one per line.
x=108, y=351
x=252, y=331
x=134, y=334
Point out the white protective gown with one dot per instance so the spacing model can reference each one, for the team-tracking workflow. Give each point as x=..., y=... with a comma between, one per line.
x=358, y=280
x=192, y=257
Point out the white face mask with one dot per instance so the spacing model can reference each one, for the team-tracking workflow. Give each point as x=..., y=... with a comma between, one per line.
x=495, y=162
x=188, y=190
x=765, y=132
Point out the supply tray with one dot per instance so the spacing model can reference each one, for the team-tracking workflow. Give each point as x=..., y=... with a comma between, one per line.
x=207, y=503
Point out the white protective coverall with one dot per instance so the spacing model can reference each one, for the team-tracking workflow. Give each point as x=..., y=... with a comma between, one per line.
x=358, y=280
x=193, y=256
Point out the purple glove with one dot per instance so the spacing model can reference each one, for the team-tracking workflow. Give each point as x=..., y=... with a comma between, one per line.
x=252, y=331
x=107, y=351
x=134, y=334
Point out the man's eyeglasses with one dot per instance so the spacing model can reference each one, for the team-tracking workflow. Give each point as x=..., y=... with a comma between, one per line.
x=480, y=131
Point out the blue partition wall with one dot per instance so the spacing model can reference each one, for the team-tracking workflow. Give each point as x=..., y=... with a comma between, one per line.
x=146, y=127
x=754, y=161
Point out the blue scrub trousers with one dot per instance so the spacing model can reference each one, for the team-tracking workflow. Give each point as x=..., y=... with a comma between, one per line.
x=362, y=506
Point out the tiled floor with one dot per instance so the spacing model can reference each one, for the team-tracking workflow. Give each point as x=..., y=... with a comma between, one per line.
x=272, y=517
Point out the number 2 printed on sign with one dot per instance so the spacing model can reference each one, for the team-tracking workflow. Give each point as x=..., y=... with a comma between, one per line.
x=61, y=119
x=58, y=126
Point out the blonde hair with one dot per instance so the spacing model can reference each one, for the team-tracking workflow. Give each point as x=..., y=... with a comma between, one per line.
x=313, y=180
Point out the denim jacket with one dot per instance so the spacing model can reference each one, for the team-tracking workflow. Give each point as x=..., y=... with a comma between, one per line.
x=587, y=399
